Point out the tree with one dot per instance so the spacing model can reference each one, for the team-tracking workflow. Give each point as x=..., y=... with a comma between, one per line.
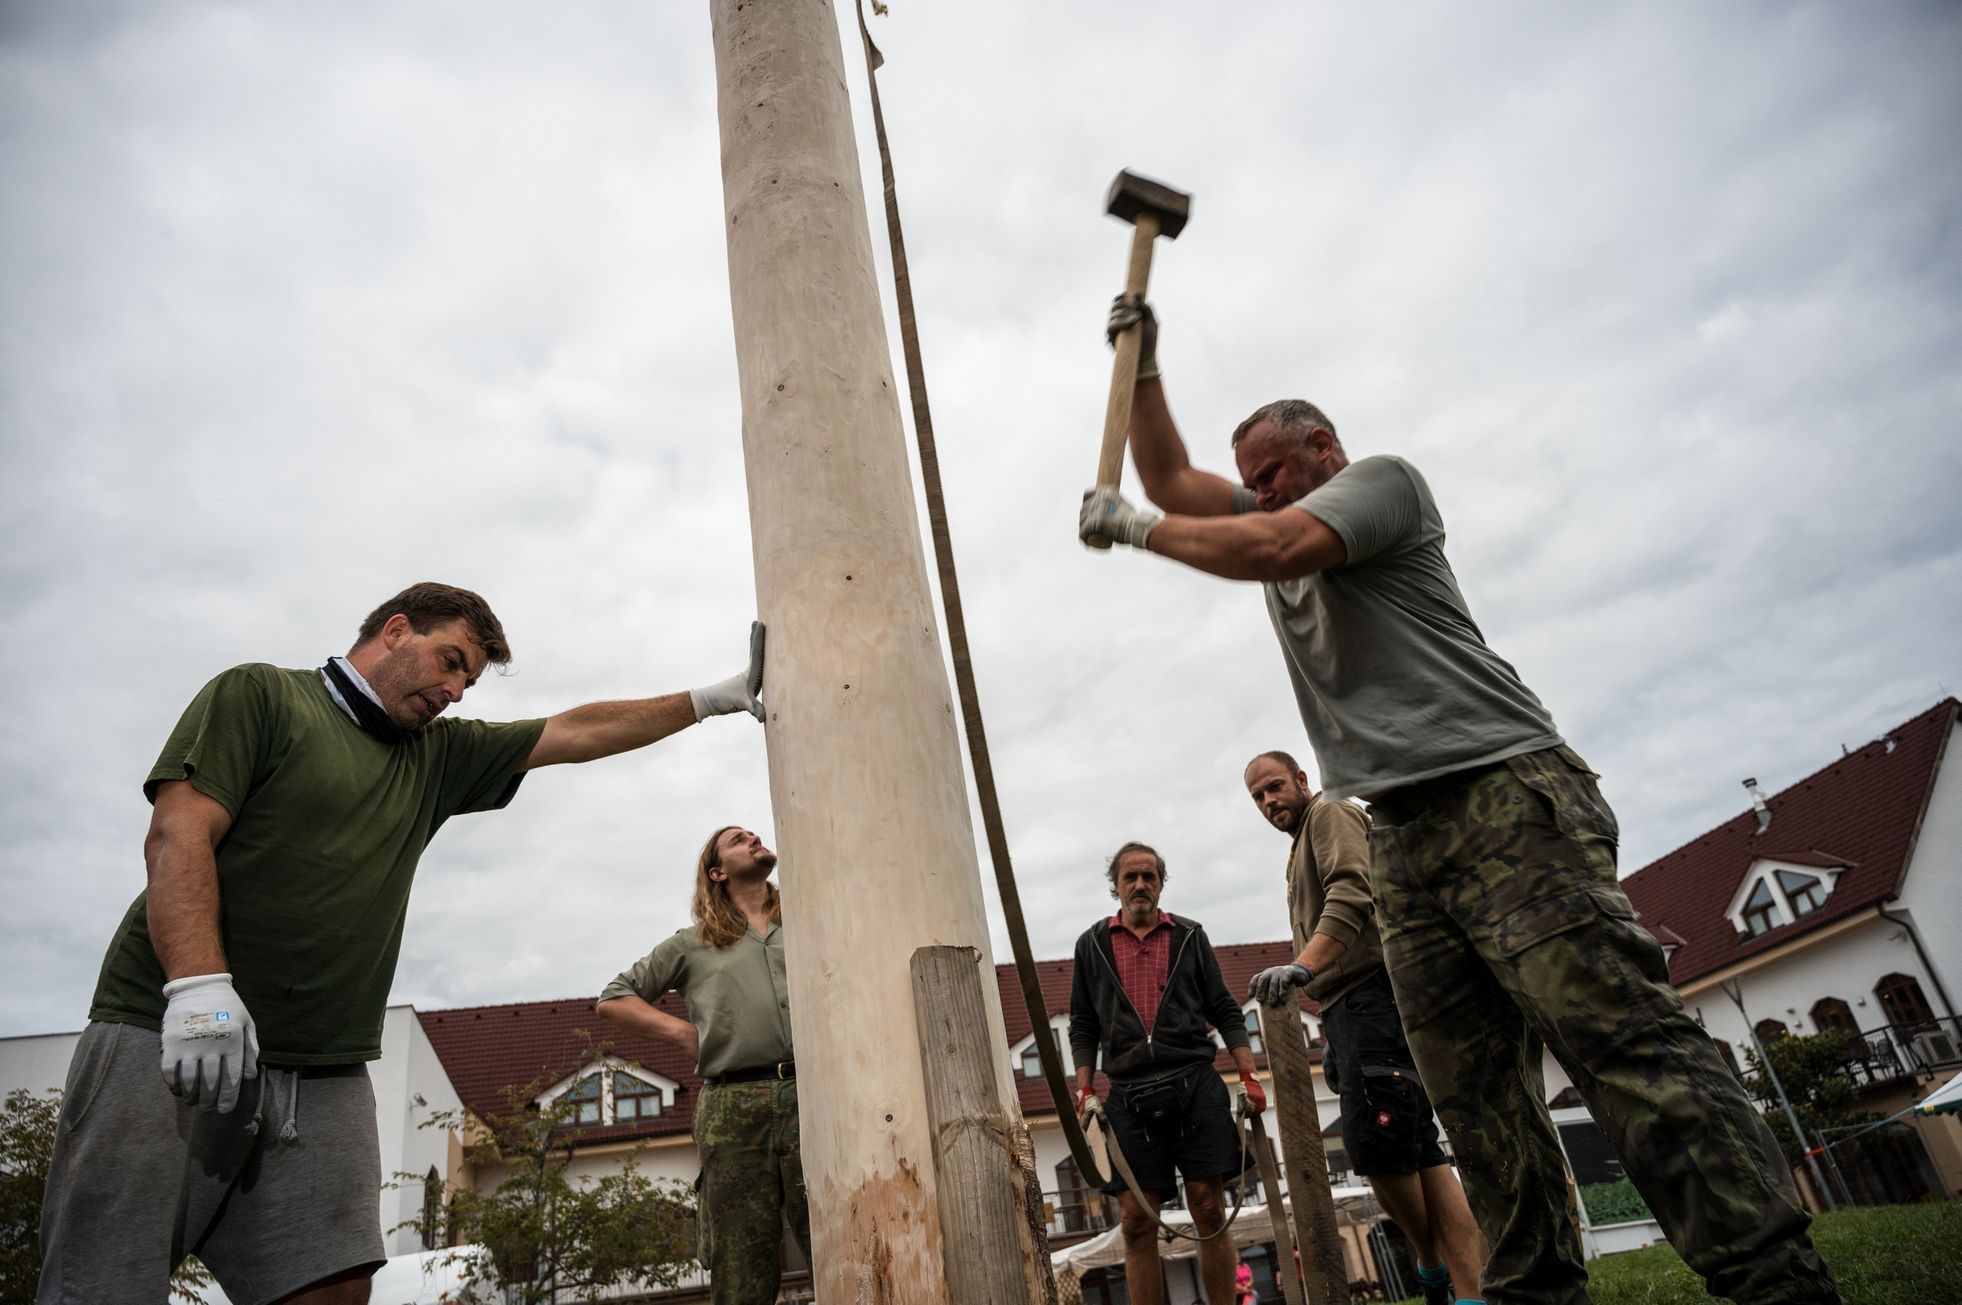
x=548, y=1236
x=1812, y=1070
x=27, y=1137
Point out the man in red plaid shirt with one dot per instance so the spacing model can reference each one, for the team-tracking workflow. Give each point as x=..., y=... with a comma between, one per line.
x=1147, y=987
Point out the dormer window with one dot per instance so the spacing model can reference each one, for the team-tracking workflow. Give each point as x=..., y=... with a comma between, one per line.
x=1805, y=892
x=611, y=1091
x=585, y=1101
x=1252, y=1011
x=1781, y=890
x=1760, y=912
x=1027, y=1061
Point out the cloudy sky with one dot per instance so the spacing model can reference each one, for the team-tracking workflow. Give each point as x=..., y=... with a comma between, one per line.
x=304, y=302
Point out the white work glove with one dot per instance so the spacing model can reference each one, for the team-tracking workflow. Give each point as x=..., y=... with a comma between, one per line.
x=1106, y=515
x=1127, y=313
x=738, y=692
x=209, y=1044
x=1275, y=985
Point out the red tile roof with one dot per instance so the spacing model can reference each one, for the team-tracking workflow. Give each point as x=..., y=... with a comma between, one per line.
x=1862, y=812
x=489, y=1049
x=536, y=1044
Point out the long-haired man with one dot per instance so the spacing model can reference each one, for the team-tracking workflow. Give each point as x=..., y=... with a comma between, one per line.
x=729, y=969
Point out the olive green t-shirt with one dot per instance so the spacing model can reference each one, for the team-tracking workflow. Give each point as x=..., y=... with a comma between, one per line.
x=313, y=877
x=738, y=996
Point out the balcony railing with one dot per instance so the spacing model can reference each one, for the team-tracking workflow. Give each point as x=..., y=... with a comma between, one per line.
x=1075, y=1210
x=1895, y=1051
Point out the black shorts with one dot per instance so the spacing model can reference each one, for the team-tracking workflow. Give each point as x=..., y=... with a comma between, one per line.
x=1198, y=1134
x=1387, y=1124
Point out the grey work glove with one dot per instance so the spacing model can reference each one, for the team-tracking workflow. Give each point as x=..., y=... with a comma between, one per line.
x=738, y=692
x=209, y=1044
x=1126, y=313
x=1276, y=984
x=1106, y=515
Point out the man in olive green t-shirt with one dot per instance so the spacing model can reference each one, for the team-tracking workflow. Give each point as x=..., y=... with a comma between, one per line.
x=290, y=808
x=729, y=969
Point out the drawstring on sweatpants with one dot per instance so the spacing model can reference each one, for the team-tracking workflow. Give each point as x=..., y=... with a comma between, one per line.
x=269, y=1084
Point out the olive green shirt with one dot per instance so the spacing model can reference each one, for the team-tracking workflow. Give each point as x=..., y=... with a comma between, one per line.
x=328, y=825
x=738, y=996
x=1328, y=892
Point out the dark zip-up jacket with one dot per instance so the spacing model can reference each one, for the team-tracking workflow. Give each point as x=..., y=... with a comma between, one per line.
x=1102, y=1016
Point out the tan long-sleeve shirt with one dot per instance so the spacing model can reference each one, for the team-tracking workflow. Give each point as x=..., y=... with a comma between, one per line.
x=1328, y=892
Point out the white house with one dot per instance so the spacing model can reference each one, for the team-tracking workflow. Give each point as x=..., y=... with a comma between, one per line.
x=1835, y=904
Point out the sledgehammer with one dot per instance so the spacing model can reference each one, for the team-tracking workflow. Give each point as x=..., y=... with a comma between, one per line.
x=1153, y=209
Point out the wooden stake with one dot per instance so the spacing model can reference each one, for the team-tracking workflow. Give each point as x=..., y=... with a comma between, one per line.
x=1277, y=1222
x=1323, y=1266
x=973, y=1136
x=866, y=783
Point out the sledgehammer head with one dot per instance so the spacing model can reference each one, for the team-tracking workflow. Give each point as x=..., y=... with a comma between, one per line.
x=1132, y=195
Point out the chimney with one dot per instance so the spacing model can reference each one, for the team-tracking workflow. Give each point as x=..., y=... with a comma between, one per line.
x=1758, y=804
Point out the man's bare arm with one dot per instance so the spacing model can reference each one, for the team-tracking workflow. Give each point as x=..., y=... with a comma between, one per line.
x=1265, y=546
x=180, y=854
x=602, y=729
x=1169, y=478
x=637, y=1015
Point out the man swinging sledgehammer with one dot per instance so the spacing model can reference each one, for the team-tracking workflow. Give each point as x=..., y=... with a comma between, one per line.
x=1492, y=858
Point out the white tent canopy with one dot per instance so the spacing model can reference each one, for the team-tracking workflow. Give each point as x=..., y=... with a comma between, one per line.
x=1945, y=1098
x=1250, y=1229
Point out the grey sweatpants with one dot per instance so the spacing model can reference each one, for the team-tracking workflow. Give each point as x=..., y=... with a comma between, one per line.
x=139, y=1180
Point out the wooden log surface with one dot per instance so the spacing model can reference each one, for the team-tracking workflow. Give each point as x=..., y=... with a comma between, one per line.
x=867, y=790
x=977, y=1168
x=1323, y=1269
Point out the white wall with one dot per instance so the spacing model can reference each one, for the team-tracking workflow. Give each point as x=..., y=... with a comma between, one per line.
x=1846, y=966
x=410, y=1088
x=37, y=1063
x=1932, y=894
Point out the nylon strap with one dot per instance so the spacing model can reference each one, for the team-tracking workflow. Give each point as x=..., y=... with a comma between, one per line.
x=977, y=736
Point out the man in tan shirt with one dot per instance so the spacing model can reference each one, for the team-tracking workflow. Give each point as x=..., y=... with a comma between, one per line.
x=1387, y=1125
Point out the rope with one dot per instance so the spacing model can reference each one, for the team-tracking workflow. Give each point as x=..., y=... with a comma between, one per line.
x=977, y=735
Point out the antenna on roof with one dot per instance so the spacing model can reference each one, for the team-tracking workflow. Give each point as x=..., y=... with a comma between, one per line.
x=1758, y=804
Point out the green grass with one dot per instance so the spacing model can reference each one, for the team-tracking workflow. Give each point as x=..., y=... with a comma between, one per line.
x=1887, y=1255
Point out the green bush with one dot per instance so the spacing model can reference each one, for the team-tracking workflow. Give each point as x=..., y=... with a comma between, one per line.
x=1616, y=1202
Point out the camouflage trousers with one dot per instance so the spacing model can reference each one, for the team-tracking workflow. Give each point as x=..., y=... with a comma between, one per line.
x=752, y=1181
x=1505, y=931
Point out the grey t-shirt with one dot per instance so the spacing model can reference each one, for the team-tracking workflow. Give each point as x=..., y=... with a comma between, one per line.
x=1394, y=679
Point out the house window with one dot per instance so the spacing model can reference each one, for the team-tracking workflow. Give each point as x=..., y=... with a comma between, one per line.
x=1831, y=1015
x=1252, y=1011
x=1805, y=892
x=1901, y=997
x=1769, y=1031
x=1760, y=911
x=583, y=1104
x=634, y=1098
x=430, y=1226
x=1032, y=1062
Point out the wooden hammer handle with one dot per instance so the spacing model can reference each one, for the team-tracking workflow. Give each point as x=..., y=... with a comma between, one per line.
x=1124, y=370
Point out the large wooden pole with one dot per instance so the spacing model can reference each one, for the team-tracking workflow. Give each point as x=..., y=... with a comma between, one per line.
x=866, y=783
